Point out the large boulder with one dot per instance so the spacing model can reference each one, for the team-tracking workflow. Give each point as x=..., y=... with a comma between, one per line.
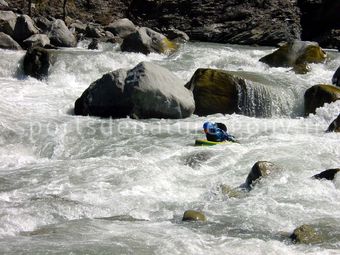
x=7, y=22
x=121, y=28
x=318, y=95
x=259, y=170
x=7, y=42
x=306, y=234
x=37, y=40
x=236, y=22
x=61, y=36
x=335, y=125
x=336, y=77
x=146, y=91
x=295, y=54
x=24, y=28
x=146, y=40
x=37, y=62
x=327, y=174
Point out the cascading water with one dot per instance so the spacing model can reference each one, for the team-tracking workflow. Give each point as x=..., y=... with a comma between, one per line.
x=85, y=185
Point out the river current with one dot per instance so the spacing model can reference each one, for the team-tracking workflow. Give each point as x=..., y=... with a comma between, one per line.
x=84, y=185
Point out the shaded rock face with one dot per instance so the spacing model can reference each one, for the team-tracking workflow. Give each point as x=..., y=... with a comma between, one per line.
x=219, y=91
x=146, y=91
x=60, y=35
x=192, y=215
x=260, y=169
x=327, y=174
x=320, y=21
x=305, y=234
x=335, y=125
x=318, y=95
x=37, y=62
x=7, y=22
x=24, y=28
x=295, y=54
x=7, y=42
x=336, y=77
x=146, y=40
x=242, y=22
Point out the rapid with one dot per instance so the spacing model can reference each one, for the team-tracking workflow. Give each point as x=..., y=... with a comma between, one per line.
x=85, y=185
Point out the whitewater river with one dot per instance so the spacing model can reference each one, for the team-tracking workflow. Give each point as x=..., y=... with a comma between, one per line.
x=85, y=185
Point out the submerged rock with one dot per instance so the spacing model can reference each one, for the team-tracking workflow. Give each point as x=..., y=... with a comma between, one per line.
x=335, y=125
x=7, y=42
x=145, y=41
x=296, y=54
x=305, y=234
x=318, y=95
x=146, y=91
x=336, y=77
x=192, y=215
x=259, y=170
x=327, y=174
x=37, y=62
x=231, y=192
x=60, y=35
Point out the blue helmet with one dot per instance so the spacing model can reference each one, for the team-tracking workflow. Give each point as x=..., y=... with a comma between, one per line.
x=208, y=125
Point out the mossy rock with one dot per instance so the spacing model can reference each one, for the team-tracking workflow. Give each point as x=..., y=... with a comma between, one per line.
x=215, y=91
x=231, y=192
x=318, y=95
x=192, y=215
x=335, y=125
x=260, y=169
x=296, y=54
x=306, y=234
x=167, y=46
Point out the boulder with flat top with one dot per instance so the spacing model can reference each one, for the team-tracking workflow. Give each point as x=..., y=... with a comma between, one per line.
x=121, y=27
x=37, y=40
x=146, y=91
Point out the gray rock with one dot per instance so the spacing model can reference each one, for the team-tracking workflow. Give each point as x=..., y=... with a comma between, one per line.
x=177, y=35
x=61, y=36
x=259, y=170
x=38, y=40
x=146, y=91
x=93, y=45
x=7, y=22
x=43, y=23
x=3, y=3
x=78, y=27
x=7, y=42
x=336, y=77
x=24, y=28
x=146, y=40
x=37, y=62
x=121, y=28
x=93, y=31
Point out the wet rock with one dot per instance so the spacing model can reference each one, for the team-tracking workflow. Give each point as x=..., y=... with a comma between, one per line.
x=146, y=91
x=335, y=125
x=327, y=174
x=259, y=170
x=93, y=45
x=121, y=28
x=231, y=192
x=93, y=31
x=305, y=234
x=146, y=40
x=24, y=28
x=192, y=215
x=336, y=77
x=7, y=42
x=318, y=95
x=296, y=53
x=61, y=36
x=236, y=22
x=37, y=62
x=78, y=27
x=177, y=35
x=7, y=22
x=38, y=40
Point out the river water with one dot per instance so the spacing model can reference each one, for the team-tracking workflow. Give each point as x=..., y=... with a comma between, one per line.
x=85, y=185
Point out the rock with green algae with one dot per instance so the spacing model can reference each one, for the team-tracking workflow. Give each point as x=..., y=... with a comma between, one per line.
x=306, y=234
x=191, y=215
x=296, y=54
x=318, y=95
